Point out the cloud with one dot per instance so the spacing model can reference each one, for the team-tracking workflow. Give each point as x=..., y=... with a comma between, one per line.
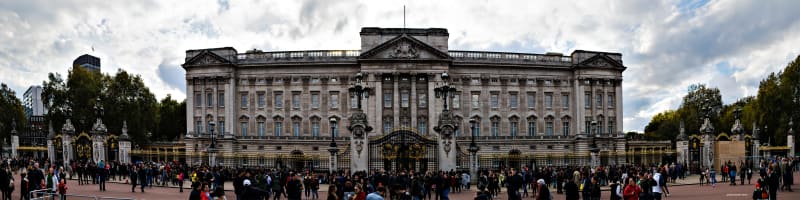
x=667, y=45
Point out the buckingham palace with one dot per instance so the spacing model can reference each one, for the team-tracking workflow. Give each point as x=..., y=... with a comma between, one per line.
x=405, y=100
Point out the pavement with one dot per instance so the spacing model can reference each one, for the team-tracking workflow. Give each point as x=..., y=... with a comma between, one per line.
x=688, y=188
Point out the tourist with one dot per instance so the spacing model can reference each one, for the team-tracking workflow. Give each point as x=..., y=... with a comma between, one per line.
x=332, y=192
x=615, y=191
x=62, y=189
x=571, y=190
x=36, y=179
x=772, y=182
x=249, y=192
x=632, y=191
x=24, y=187
x=142, y=173
x=542, y=193
x=294, y=188
x=194, y=195
x=595, y=192
x=658, y=179
x=134, y=176
x=378, y=194
x=713, y=177
x=360, y=194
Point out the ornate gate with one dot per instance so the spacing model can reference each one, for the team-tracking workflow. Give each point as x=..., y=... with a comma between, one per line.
x=403, y=150
x=695, y=149
x=83, y=147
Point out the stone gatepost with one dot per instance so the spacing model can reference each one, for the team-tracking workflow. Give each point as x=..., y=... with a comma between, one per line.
x=682, y=145
x=447, y=146
x=51, y=149
x=124, y=145
x=756, y=145
x=14, y=139
x=359, y=142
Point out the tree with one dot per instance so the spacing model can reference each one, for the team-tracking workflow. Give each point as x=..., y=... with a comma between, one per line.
x=12, y=111
x=663, y=126
x=127, y=99
x=83, y=91
x=171, y=119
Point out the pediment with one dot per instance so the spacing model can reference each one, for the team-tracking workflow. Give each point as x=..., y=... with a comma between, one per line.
x=206, y=58
x=404, y=47
x=601, y=61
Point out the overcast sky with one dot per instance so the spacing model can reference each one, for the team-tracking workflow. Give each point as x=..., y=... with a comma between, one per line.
x=666, y=45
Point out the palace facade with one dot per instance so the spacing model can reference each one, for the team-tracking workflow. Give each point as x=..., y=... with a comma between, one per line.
x=281, y=108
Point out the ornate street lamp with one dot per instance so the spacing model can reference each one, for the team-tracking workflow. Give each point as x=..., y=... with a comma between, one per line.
x=445, y=91
x=473, y=150
x=359, y=89
x=333, y=148
x=447, y=123
x=212, y=148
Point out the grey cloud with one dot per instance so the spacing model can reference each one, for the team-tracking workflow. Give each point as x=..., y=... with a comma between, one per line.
x=173, y=75
x=224, y=5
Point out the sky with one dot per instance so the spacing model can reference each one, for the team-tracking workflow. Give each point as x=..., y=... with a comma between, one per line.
x=666, y=45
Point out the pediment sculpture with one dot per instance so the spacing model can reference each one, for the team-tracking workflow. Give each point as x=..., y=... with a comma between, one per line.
x=404, y=50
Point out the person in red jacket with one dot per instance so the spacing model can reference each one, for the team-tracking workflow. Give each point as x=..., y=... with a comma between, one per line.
x=632, y=190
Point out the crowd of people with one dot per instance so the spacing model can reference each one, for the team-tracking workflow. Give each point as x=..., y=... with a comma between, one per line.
x=646, y=182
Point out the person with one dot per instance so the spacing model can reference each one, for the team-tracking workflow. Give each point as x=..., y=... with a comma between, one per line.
x=749, y=174
x=772, y=182
x=615, y=193
x=359, y=193
x=52, y=183
x=62, y=189
x=6, y=182
x=595, y=191
x=713, y=177
x=204, y=192
x=378, y=194
x=332, y=192
x=180, y=181
x=249, y=192
x=483, y=195
x=101, y=175
x=632, y=190
x=571, y=190
x=24, y=187
x=294, y=188
x=143, y=177
x=657, y=192
x=35, y=179
x=542, y=193
x=194, y=195
x=703, y=176
x=218, y=193
x=134, y=176
x=760, y=193
x=514, y=182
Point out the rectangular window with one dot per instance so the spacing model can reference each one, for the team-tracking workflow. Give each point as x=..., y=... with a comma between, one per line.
x=478, y=130
x=387, y=126
x=336, y=132
x=513, y=129
x=599, y=100
x=404, y=98
x=457, y=100
x=549, y=128
x=244, y=100
x=260, y=100
x=387, y=100
x=315, y=129
x=221, y=125
x=296, y=101
x=353, y=101
x=260, y=129
x=476, y=100
x=599, y=127
x=296, y=129
x=278, y=99
x=565, y=101
x=611, y=100
x=422, y=127
x=587, y=100
x=495, y=101
x=531, y=100
x=495, y=129
x=588, y=125
x=315, y=101
x=531, y=128
x=209, y=100
x=611, y=127
x=198, y=127
x=198, y=100
x=278, y=128
x=244, y=129
x=512, y=100
x=334, y=100
x=548, y=100
x=221, y=99
x=565, y=128
x=423, y=100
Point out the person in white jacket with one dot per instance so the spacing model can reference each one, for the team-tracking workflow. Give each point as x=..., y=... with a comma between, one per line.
x=657, y=187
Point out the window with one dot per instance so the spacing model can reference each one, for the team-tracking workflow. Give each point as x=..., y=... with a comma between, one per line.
x=513, y=129
x=495, y=101
x=610, y=127
x=587, y=100
x=278, y=128
x=512, y=101
x=565, y=127
x=296, y=128
x=198, y=100
x=198, y=127
x=244, y=100
x=244, y=129
x=221, y=125
x=565, y=101
x=315, y=100
x=353, y=101
x=478, y=127
x=260, y=129
x=495, y=129
x=531, y=100
x=335, y=131
x=599, y=126
x=387, y=125
x=404, y=98
x=588, y=125
x=221, y=99
x=476, y=101
x=334, y=100
x=422, y=126
x=611, y=100
x=457, y=100
x=260, y=100
x=315, y=128
x=548, y=100
x=387, y=100
x=423, y=100
x=296, y=101
x=531, y=126
x=549, y=127
x=209, y=99
x=278, y=100
x=599, y=100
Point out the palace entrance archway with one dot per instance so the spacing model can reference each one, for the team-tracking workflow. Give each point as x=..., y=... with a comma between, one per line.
x=403, y=150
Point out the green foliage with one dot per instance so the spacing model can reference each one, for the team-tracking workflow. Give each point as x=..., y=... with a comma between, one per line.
x=171, y=119
x=773, y=107
x=12, y=110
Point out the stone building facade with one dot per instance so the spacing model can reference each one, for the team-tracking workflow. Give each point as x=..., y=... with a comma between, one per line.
x=274, y=109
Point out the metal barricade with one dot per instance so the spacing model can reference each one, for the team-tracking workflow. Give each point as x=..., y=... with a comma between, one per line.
x=41, y=194
x=114, y=198
x=77, y=196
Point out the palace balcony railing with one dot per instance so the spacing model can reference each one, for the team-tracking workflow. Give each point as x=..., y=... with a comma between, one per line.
x=509, y=58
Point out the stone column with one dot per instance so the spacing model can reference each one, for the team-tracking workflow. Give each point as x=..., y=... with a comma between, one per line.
x=14, y=144
x=51, y=151
x=98, y=148
x=682, y=145
x=66, y=147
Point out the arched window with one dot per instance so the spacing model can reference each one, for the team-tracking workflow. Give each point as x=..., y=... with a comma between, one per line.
x=513, y=126
x=296, y=126
x=261, y=126
x=548, y=125
x=477, y=126
x=422, y=125
x=599, y=127
x=531, y=126
x=243, y=125
x=278, y=128
x=565, y=122
x=315, y=126
x=495, y=126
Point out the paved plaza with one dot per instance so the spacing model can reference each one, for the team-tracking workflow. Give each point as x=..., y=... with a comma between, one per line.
x=683, y=189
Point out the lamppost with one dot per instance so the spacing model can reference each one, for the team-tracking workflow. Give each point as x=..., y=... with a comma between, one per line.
x=445, y=91
x=359, y=126
x=212, y=149
x=333, y=148
x=593, y=147
x=446, y=126
x=708, y=129
x=359, y=89
x=473, y=151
